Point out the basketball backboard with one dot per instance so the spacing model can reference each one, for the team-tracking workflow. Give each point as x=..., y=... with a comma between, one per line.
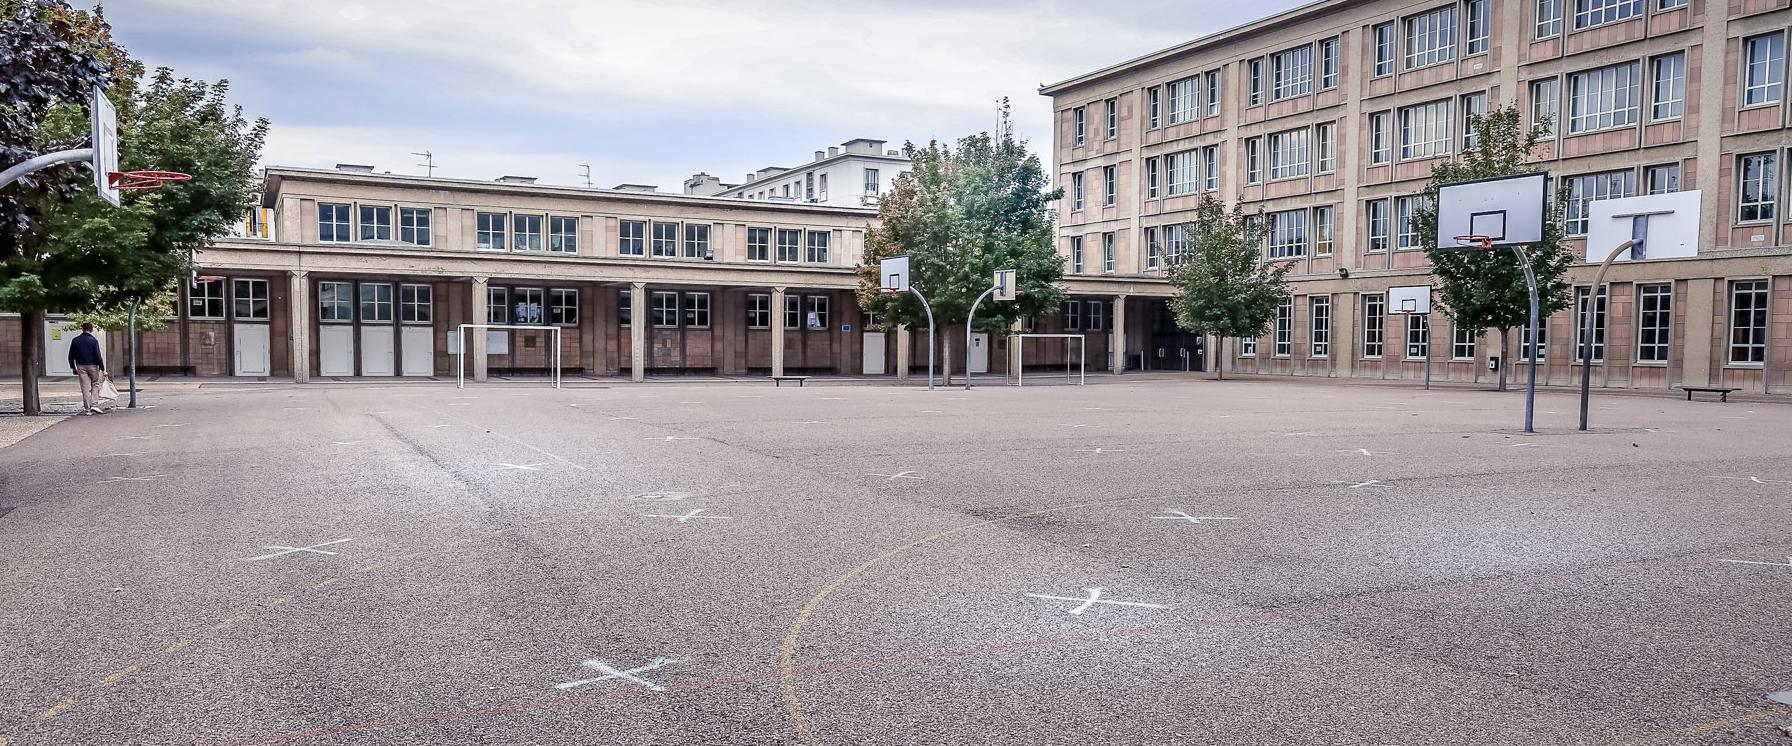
x=1509, y=210
x=105, y=147
x=1412, y=300
x=895, y=274
x=1672, y=230
x=1005, y=289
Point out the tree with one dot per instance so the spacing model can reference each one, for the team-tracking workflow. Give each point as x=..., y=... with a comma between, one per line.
x=959, y=216
x=1225, y=289
x=1487, y=289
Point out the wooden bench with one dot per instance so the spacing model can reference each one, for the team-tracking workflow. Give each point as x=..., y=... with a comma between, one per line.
x=779, y=380
x=1723, y=393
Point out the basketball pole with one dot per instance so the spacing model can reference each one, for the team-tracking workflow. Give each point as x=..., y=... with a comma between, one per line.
x=1428, y=347
x=967, y=335
x=931, y=329
x=1639, y=231
x=1530, y=388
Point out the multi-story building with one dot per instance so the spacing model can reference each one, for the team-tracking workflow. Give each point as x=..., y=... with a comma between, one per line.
x=1328, y=119
x=855, y=174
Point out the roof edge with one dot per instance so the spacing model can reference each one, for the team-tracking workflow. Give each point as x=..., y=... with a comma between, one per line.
x=1291, y=14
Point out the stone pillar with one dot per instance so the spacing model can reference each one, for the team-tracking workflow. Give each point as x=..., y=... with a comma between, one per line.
x=475, y=347
x=1696, y=365
x=902, y=352
x=298, y=326
x=637, y=331
x=1119, y=331
x=777, y=331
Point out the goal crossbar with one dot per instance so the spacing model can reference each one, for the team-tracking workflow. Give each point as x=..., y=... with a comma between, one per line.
x=460, y=332
x=1082, y=356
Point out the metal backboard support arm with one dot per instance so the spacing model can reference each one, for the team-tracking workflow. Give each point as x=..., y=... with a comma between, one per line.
x=967, y=335
x=1639, y=232
x=931, y=328
x=1530, y=387
x=42, y=162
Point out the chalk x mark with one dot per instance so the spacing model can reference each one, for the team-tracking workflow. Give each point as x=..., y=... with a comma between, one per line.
x=286, y=550
x=1359, y=485
x=899, y=475
x=1181, y=516
x=1756, y=480
x=521, y=467
x=686, y=518
x=1094, y=598
x=631, y=675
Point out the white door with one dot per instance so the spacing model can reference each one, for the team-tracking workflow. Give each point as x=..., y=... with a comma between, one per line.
x=378, y=351
x=250, y=341
x=419, y=343
x=980, y=353
x=874, y=353
x=336, y=350
x=56, y=341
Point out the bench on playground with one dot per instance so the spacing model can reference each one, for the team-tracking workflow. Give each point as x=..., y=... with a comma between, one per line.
x=1723, y=393
x=779, y=380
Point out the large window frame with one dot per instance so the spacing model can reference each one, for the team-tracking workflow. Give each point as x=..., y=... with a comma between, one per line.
x=377, y=303
x=563, y=234
x=759, y=311
x=1600, y=306
x=1382, y=36
x=1319, y=326
x=1425, y=130
x=664, y=239
x=1284, y=328
x=696, y=240
x=790, y=246
x=205, y=300
x=335, y=302
x=1668, y=84
x=1763, y=69
x=1757, y=187
x=1291, y=73
x=1418, y=336
x=759, y=244
x=1290, y=154
x=1605, y=98
x=631, y=238
x=1375, y=321
x=414, y=225
x=816, y=250
x=1584, y=189
x=490, y=230
x=1591, y=13
x=333, y=222
x=249, y=299
x=1654, y=322
x=1749, y=303
x=1431, y=38
x=1287, y=234
x=416, y=303
x=525, y=232
x=374, y=222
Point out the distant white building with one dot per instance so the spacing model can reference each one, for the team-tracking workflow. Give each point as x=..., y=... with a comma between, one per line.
x=855, y=174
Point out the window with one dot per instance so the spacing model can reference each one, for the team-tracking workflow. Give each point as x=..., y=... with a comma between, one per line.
x=1107, y=253
x=206, y=300
x=1292, y=74
x=1113, y=118
x=490, y=231
x=413, y=225
x=1256, y=77
x=1669, y=4
x=1477, y=26
x=665, y=239
x=1670, y=86
x=528, y=305
x=563, y=307
x=1247, y=346
x=1285, y=328
x=1288, y=155
x=335, y=301
x=332, y=222
x=1213, y=93
x=696, y=240
x=1253, y=160
x=809, y=184
x=1384, y=49
x=1541, y=348
x=1319, y=325
x=1151, y=178
x=818, y=311
x=696, y=310
x=1748, y=322
x=1549, y=18
x=1758, y=186
x=1324, y=218
x=563, y=234
x=662, y=309
x=625, y=308
x=1764, y=68
x=1153, y=107
x=1377, y=222
x=414, y=304
x=1109, y=190
x=1381, y=142
x=1076, y=255
x=1654, y=322
x=1604, y=98
x=1544, y=106
x=1153, y=249
x=1077, y=115
x=1662, y=179
x=376, y=223
x=1580, y=325
x=790, y=245
x=759, y=311
x=1326, y=137
x=1287, y=234
x=1375, y=319
x=249, y=299
x=824, y=188
x=1175, y=244
x=527, y=232
x=1328, y=63
x=1582, y=190
x=1182, y=172
x=632, y=238
x=1073, y=315
x=1590, y=13
x=1406, y=229
x=1462, y=343
x=759, y=244
x=1418, y=336
x=376, y=303
x=873, y=186
x=1096, y=310
x=1210, y=160
x=1431, y=38
x=1076, y=191
x=1473, y=105
x=818, y=247
x=1182, y=100
x=1425, y=130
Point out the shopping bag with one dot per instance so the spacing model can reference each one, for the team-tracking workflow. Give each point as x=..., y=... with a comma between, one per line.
x=107, y=390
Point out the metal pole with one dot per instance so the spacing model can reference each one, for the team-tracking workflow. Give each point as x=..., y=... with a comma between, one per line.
x=1587, y=325
x=930, y=330
x=133, y=341
x=1530, y=391
x=460, y=356
x=42, y=162
x=1427, y=351
x=967, y=336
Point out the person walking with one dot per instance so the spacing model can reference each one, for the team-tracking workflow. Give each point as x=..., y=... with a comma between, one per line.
x=90, y=368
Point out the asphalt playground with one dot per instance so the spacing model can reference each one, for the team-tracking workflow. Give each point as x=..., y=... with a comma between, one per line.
x=1137, y=562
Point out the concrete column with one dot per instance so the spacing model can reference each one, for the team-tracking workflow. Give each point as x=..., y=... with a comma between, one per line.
x=298, y=327
x=1696, y=365
x=475, y=347
x=637, y=331
x=777, y=331
x=902, y=352
x=1119, y=331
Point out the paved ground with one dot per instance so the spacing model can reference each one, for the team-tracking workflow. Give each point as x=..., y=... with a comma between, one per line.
x=852, y=566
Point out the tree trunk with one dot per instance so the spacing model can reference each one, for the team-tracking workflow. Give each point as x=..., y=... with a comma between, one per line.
x=946, y=355
x=1505, y=359
x=1219, y=358
x=31, y=351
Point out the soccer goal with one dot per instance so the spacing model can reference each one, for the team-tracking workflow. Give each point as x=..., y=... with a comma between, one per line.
x=1082, y=355
x=462, y=347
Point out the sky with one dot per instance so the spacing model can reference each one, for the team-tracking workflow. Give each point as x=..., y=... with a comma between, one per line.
x=645, y=91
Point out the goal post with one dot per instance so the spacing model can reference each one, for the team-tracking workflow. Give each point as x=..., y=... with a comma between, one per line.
x=462, y=348
x=1082, y=356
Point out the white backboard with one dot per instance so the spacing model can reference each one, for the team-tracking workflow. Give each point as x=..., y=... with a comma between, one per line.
x=1410, y=299
x=895, y=274
x=105, y=146
x=1005, y=289
x=1508, y=209
x=1673, y=231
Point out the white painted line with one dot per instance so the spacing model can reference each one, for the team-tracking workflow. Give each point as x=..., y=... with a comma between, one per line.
x=658, y=497
x=686, y=518
x=1522, y=445
x=1181, y=516
x=178, y=424
x=138, y=437
x=1101, y=450
x=899, y=475
x=1094, y=409
x=931, y=411
x=521, y=467
x=1756, y=480
x=1784, y=698
x=128, y=455
x=1360, y=485
x=1071, y=426
x=460, y=404
x=609, y=672
x=621, y=418
x=438, y=427
x=382, y=411
x=285, y=550
x=1365, y=452
x=1299, y=435
x=833, y=398
x=670, y=438
x=149, y=478
x=347, y=442
x=1093, y=599
x=812, y=422
x=1787, y=563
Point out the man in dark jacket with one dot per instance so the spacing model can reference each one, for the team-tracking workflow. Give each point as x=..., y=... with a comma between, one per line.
x=90, y=368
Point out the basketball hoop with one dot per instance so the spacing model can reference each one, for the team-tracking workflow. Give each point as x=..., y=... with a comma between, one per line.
x=1475, y=241
x=138, y=181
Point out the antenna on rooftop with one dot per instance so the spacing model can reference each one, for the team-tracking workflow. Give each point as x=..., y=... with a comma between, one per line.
x=585, y=171
x=429, y=162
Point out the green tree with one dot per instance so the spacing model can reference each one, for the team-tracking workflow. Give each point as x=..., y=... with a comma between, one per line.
x=959, y=216
x=1224, y=288
x=1487, y=289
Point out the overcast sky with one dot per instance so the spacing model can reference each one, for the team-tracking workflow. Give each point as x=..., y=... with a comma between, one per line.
x=646, y=91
